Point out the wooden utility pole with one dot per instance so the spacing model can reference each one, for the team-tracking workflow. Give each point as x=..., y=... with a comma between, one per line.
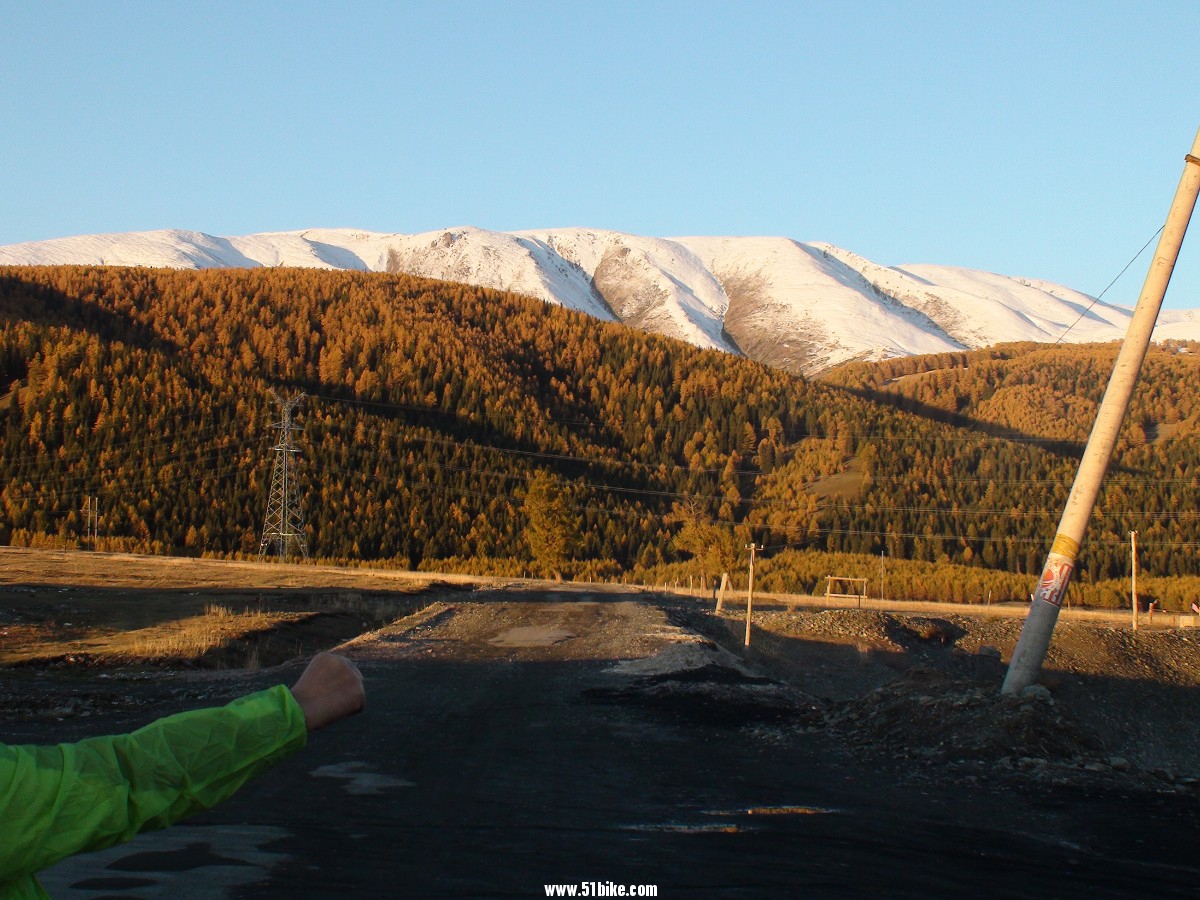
x=1038, y=629
x=1133, y=576
x=750, y=589
x=91, y=516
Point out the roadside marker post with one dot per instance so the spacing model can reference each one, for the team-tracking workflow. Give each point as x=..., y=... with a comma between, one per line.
x=721, y=593
x=1133, y=577
x=750, y=590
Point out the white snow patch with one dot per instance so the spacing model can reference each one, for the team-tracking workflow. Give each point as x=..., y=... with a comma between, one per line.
x=679, y=657
x=839, y=305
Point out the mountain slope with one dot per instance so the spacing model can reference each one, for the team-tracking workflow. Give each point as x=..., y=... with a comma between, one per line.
x=430, y=406
x=801, y=307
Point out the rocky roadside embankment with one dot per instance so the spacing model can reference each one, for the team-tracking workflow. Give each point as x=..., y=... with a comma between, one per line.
x=921, y=693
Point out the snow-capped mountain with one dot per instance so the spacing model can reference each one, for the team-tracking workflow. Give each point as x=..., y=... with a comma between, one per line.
x=801, y=307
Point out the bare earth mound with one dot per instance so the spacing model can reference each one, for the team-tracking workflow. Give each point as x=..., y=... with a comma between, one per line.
x=926, y=689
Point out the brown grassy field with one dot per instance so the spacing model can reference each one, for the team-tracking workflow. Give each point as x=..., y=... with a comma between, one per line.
x=94, y=609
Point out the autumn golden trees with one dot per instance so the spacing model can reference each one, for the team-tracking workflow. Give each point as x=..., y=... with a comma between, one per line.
x=434, y=404
x=440, y=409
x=713, y=545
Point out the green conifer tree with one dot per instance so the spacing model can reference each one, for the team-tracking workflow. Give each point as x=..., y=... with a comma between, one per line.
x=552, y=525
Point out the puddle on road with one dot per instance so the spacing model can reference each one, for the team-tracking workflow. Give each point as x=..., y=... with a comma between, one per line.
x=727, y=827
x=180, y=862
x=682, y=828
x=531, y=636
x=774, y=811
x=360, y=781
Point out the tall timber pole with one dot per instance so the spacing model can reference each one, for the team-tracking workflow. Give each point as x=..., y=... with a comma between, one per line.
x=1060, y=562
x=753, y=548
x=1133, y=601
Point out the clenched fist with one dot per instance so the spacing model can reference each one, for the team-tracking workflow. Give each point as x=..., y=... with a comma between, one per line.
x=330, y=688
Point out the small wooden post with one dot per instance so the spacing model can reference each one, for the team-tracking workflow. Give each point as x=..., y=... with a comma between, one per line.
x=721, y=592
x=1133, y=577
x=750, y=590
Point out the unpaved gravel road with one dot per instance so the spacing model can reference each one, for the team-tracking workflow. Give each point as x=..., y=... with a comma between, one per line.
x=521, y=737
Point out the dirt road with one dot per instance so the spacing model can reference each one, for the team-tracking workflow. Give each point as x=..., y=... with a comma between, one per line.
x=520, y=738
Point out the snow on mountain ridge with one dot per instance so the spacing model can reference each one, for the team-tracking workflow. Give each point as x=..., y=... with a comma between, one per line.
x=781, y=288
x=651, y=283
x=802, y=307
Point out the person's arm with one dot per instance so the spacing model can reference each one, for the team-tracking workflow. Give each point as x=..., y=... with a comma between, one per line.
x=55, y=801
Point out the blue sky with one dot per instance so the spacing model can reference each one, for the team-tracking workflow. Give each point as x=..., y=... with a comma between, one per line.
x=1035, y=139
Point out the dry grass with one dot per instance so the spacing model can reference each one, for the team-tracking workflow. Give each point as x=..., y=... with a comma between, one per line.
x=19, y=565
x=193, y=637
x=83, y=609
x=216, y=634
x=843, y=486
x=217, y=629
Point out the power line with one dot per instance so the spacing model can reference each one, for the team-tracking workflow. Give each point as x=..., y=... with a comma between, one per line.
x=746, y=501
x=751, y=504
x=82, y=482
x=1110, y=284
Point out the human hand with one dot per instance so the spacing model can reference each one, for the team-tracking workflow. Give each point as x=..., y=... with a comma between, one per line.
x=329, y=688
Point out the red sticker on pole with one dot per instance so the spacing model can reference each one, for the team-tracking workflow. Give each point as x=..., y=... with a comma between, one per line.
x=1055, y=578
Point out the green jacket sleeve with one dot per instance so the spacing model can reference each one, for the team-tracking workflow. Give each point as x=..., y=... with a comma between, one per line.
x=56, y=801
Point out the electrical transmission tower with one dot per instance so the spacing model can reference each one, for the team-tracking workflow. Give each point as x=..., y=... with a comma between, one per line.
x=284, y=525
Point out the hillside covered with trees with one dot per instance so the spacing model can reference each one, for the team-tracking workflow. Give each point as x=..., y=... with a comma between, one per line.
x=457, y=426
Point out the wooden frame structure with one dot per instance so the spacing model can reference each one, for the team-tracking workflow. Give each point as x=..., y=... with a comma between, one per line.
x=859, y=584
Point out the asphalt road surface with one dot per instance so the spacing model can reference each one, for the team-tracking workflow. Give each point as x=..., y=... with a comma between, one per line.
x=515, y=740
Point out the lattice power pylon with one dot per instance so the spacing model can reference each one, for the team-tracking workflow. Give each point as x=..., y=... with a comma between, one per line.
x=284, y=524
